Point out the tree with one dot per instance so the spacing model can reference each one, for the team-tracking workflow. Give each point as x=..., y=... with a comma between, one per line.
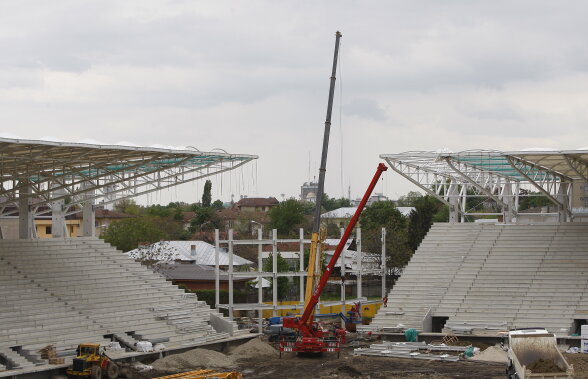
x=207, y=194
x=421, y=219
x=380, y=214
x=205, y=219
x=287, y=217
x=383, y=214
x=126, y=234
x=128, y=206
x=330, y=204
x=408, y=199
x=283, y=282
x=218, y=205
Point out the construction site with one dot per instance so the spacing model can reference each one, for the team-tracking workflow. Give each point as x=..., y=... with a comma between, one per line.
x=503, y=296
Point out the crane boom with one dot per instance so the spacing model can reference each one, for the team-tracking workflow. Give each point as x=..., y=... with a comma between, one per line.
x=313, y=267
x=304, y=323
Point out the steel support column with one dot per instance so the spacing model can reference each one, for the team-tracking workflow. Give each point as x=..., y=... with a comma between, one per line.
x=88, y=214
x=58, y=227
x=26, y=223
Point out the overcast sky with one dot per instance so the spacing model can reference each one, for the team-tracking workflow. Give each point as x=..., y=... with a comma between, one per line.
x=252, y=77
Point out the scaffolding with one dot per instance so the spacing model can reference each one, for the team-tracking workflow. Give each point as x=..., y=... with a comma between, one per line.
x=260, y=306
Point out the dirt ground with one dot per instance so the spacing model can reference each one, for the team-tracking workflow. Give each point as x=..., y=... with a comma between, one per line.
x=349, y=366
x=580, y=362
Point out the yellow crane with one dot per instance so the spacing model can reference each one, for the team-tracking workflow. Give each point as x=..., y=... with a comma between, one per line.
x=313, y=269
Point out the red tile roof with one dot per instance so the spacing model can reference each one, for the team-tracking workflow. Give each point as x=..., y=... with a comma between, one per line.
x=257, y=202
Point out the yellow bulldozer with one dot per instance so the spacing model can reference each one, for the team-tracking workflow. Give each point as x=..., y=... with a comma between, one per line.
x=92, y=362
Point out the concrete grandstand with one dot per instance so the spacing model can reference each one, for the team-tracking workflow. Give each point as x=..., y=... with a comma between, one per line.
x=484, y=278
x=65, y=291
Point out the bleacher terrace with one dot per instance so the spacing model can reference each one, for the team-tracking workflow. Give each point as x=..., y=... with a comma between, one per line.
x=70, y=291
x=483, y=278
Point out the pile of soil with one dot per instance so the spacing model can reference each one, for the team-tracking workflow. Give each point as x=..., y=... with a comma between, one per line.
x=580, y=363
x=492, y=354
x=544, y=365
x=194, y=359
x=253, y=349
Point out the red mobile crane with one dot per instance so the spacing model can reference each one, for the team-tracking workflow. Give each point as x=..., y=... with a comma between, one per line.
x=311, y=337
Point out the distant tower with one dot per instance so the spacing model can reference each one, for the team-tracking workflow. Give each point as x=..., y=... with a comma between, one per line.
x=308, y=191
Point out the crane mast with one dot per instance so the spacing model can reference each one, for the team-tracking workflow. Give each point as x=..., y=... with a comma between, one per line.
x=314, y=245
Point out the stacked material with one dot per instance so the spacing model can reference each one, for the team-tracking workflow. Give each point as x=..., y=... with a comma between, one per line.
x=413, y=350
x=49, y=353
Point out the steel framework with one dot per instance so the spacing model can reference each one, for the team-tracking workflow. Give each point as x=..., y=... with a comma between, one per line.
x=44, y=177
x=499, y=177
x=260, y=306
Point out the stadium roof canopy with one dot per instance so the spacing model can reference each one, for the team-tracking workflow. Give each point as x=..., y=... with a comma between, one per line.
x=48, y=171
x=501, y=176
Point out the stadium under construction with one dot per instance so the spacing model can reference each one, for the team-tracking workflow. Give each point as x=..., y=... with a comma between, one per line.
x=516, y=269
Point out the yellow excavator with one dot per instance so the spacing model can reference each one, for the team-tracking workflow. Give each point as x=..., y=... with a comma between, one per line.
x=92, y=362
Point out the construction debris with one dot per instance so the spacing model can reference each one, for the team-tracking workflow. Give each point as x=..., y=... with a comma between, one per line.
x=413, y=350
x=491, y=354
x=194, y=359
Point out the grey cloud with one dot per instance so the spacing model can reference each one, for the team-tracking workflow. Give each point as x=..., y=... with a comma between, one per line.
x=366, y=108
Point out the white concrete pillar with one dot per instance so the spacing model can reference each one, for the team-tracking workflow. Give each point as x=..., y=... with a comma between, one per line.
x=453, y=198
x=88, y=214
x=26, y=221
x=58, y=228
x=231, y=274
x=301, y=268
x=260, y=279
x=563, y=197
x=383, y=258
x=275, y=271
x=508, y=212
x=216, y=269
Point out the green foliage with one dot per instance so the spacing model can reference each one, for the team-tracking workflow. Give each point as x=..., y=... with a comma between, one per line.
x=158, y=210
x=128, y=206
x=218, y=205
x=208, y=296
x=380, y=214
x=528, y=200
x=127, y=233
x=333, y=230
x=330, y=204
x=421, y=219
x=282, y=267
x=205, y=219
x=178, y=216
x=373, y=219
x=408, y=199
x=207, y=194
x=287, y=217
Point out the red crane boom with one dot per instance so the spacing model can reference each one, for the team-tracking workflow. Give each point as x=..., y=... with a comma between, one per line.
x=311, y=336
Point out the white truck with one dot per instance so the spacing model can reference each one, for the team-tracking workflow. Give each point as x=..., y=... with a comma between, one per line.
x=533, y=354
